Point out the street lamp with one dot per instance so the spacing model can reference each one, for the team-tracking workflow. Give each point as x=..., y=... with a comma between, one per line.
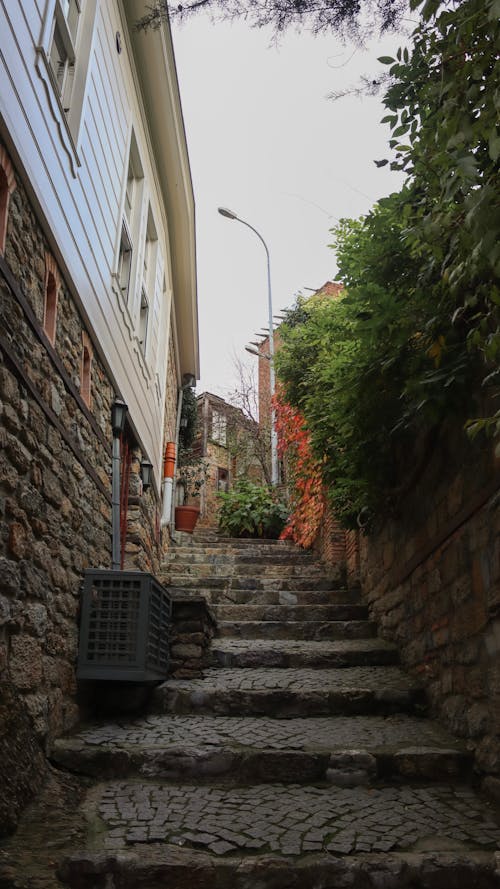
x=229, y=214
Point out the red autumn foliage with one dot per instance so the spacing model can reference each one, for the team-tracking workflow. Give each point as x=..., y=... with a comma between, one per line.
x=304, y=474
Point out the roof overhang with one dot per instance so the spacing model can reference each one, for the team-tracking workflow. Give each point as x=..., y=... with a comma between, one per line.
x=157, y=74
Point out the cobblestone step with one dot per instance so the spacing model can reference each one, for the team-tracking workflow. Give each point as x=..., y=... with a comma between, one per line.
x=343, y=751
x=285, y=693
x=287, y=612
x=300, y=653
x=338, y=629
x=148, y=835
x=286, y=837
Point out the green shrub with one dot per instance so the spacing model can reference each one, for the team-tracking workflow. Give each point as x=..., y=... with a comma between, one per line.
x=250, y=510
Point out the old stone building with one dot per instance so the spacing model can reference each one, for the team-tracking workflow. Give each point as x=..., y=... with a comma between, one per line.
x=97, y=303
x=229, y=444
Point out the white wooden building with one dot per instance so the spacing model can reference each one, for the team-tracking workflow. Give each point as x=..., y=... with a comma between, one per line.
x=91, y=116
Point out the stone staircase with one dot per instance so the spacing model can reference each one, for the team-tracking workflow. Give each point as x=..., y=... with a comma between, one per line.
x=302, y=760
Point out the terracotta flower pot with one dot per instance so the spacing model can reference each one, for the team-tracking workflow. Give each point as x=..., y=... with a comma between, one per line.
x=186, y=518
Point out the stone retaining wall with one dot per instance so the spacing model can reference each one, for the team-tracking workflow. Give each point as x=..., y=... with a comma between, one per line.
x=55, y=485
x=193, y=626
x=432, y=580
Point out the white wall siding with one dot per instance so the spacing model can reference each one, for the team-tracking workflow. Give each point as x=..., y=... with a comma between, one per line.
x=83, y=212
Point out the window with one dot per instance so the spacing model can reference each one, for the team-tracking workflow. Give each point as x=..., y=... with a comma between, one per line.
x=63, y=62
x=148, y=284
x=218, y=428
x=51, y=297
x=124, y=261
x=7, y=186
x=125, y=273
x=86, y=369
x=143, y=321
x=62, y=48
x=222, y=479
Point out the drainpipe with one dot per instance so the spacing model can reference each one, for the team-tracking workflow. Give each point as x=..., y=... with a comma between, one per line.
x=118, y=414
x=177, y=428
x=168, y=482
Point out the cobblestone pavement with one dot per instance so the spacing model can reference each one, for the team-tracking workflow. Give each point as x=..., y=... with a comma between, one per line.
x=323, y=733
x=299, y=680
x=294, y=820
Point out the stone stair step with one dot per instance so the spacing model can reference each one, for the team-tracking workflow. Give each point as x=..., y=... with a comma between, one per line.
x=284, y=597
x=246, y=582
x=284, y=693
x=154, y=836
x=220, y=568
x=309, y=629
x=241, y=557
x=343, y=751
x=300, y=653
x=287, y=612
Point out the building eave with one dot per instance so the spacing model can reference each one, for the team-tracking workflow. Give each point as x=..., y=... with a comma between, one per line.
x=156, y=71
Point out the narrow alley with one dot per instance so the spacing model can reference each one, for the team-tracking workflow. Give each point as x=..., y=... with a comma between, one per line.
x=302, y=758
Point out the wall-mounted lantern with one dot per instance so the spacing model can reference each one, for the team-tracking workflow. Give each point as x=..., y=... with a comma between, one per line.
x=118, y=415
x=146, y=471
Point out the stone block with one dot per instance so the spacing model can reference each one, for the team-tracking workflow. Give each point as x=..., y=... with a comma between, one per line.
x=36, y=619
x=25, y=662
x=10, y=577
x=18, y=540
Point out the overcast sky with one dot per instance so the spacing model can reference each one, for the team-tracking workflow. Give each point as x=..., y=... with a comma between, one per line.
x=265, y=141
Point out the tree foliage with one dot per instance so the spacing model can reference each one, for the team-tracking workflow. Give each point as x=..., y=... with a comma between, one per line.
x=348, y=18
x=415, y=338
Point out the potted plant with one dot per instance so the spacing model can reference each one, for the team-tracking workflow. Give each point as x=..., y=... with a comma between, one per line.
x=191, y=472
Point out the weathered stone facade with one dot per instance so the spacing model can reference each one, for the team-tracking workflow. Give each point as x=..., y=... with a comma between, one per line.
x=55, y=485
x=432, y=580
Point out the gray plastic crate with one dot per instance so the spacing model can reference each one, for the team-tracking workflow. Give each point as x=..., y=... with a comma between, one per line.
x=125, y=626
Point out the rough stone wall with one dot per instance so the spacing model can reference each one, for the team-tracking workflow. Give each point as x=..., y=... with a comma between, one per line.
x=55, y=488
x=143, y=546
x=54, y=482
x=352, y=558
x=330, y=544
x=216, y=456
x=193, y=627
x=432, y=581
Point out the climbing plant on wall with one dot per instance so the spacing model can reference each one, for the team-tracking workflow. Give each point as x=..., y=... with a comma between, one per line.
x=304, y=477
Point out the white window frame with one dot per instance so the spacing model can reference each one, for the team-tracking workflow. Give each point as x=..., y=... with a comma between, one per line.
x=66, y=90
x=149, y=264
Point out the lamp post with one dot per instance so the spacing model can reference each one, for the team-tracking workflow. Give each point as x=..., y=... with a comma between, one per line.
x=118, y=414
x=274, y=438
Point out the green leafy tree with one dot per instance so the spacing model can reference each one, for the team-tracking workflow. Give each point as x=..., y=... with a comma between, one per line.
x=443, y=109
x=415, y=339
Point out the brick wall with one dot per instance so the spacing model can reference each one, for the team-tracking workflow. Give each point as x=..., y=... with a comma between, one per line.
x=330, y=544
x=432, y=580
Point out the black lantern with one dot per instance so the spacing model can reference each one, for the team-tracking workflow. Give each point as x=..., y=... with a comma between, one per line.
x=118, y=414
x=146, y=470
